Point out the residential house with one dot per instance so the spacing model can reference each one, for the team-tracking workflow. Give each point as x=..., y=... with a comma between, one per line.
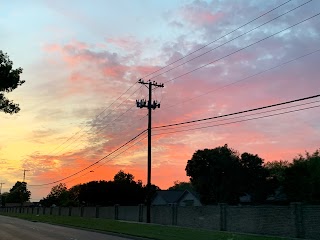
x=179, y=197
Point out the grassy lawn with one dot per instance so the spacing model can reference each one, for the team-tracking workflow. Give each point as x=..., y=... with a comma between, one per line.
x=141, y=230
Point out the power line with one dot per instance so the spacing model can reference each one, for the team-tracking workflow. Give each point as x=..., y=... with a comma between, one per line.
x=193, y=121
x=102, y=164
x=217, y=39
x=157, y=70
x=231, y=40
x=247, y=115
x=222, y=124
x=246, y=78
x=240, y=112
x=101, y=159
x=96, y=117
x=175, y=78
x=242, y=48
x=109, y=123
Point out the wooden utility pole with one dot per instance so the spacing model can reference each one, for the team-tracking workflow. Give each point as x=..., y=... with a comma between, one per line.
x=151, y=105
x=1, y=187
x=24, y=174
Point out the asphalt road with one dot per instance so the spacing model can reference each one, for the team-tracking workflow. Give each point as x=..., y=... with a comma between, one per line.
x=17, y=229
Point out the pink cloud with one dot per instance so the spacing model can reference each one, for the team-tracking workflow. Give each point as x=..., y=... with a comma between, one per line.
x=200, y=14
x=126, y=43
x=272, y=138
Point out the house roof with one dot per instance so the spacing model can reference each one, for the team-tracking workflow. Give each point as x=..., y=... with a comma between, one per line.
x=170, y=196
x=173, y=196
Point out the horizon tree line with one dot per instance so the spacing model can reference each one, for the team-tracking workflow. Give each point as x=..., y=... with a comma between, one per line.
x=218, y=175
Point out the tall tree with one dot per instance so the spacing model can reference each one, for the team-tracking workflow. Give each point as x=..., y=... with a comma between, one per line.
x=123, y=177
x=58, y=196
x=254, y=177
x=74, y=193
x=221, y=175
x=215, y=174
x=302, y=178
x=276, y=172
x=18, y=193
x=9, y=80
x=122, y=190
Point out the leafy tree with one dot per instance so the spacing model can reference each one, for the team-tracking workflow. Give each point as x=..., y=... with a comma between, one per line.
x=277, y=170
x=58, y=196
x=9, y=80
x=215, y=174
x=254, y=177
x=122, y=190
x=276, y=177
x=302, y=178
x=18, y=193
x=122, y=177
x=74, y=193
x=221, y=175
x=181, y=186
x=128, y=192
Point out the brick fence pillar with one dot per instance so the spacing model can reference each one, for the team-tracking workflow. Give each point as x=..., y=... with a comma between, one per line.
x=81, y=211
x=97, y=211
x=140, y=212
x=116, y=212
x=298, y=219
x=70, y=211
x=223, y=216
x=174, y=210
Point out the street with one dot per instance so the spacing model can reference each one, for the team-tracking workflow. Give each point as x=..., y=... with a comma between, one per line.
x=17, y=229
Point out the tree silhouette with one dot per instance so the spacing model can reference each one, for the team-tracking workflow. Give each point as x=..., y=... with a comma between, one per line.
x=9, y=80
x=18, y=193
x=215, y=174
x=58, y=196
x=254, y=177
x=221, y=175
x=302, y=178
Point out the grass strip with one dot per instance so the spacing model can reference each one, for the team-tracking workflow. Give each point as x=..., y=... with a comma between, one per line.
x=158, y=232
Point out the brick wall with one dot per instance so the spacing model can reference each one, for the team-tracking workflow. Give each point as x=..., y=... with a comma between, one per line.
x=311, y=221
x=270, y=220
x=294, y=220
x=201, y=217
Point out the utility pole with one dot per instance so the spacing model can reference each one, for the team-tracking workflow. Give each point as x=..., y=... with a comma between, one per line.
x=151, y=106
x=1, y=183
x=24, y=174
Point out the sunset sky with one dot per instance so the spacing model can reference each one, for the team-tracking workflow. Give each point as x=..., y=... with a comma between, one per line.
x=79, y=59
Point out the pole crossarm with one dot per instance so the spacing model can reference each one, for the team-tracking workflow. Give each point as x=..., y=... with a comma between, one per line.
x=154, y=83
